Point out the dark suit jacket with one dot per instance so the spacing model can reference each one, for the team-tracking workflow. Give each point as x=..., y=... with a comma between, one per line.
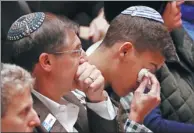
x=88, y=121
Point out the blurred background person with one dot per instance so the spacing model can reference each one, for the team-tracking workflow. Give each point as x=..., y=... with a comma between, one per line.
x=17, y=113
x=187, y=10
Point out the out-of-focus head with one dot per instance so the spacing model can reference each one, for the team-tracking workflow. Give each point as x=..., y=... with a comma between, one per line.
x=136, y=39
x=17, y=113
x=47, y=44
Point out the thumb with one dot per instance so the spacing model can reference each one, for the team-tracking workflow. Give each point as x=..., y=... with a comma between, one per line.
x=92, y=29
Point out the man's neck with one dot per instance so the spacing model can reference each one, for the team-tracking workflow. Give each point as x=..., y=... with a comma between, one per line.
x=47, y=90
x=46, y=86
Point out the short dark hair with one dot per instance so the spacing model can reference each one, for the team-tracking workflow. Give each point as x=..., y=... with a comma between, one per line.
x=145, y=34
x=50, y=37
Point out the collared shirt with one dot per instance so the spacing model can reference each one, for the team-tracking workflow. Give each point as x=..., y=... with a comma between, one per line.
x=67, y=114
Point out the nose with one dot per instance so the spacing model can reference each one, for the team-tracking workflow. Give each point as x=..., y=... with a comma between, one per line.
x=35, y=121
x=83, y=57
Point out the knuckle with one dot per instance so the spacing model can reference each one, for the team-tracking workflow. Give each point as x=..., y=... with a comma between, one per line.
x=93, y=66
x=79, y=79
x=102, y=78
x=86, y=81
x=98, y=72
x=158, y=99
x=157, y=84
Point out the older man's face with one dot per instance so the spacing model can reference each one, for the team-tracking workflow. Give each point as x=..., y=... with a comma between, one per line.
x=20, y=115
x=65, y=65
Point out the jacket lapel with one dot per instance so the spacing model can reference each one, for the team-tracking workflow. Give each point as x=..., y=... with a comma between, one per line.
x=42, y=112
x=82, y=122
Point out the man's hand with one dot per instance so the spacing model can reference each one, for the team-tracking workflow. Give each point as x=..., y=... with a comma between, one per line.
x=172, y=15
x=90, y=80
x=98, y=28
x=143, y=103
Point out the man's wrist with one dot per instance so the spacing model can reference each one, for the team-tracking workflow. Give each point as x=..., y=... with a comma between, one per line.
x=135, y=117
x=103, y=98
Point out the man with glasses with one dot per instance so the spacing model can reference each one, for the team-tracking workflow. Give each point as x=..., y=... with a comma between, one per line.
x=49, y=48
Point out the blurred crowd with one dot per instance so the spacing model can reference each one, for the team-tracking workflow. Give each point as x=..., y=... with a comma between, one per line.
x=97, y=66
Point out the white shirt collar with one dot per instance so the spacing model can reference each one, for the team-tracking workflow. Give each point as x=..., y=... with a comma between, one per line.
x=66, y=114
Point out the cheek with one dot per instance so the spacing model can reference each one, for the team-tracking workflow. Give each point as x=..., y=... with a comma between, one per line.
x=134, y=73
x=14, y=124
x=70, y=69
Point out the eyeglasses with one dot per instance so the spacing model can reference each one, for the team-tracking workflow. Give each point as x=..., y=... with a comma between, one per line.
x=78, y=51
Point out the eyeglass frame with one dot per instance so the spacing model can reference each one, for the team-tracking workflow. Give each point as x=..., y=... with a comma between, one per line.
x=69, y=51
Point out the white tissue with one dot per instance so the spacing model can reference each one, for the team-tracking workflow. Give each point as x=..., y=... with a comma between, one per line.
x=144, y=72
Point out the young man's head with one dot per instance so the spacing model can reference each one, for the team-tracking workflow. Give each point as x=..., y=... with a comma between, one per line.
x=49, y=47
x=136, y=39
x=17, y=113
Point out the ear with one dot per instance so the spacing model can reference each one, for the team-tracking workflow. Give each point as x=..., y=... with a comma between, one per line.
x=45, y=62
x=125, y=49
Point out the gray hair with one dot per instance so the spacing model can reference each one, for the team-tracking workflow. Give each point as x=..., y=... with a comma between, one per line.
x=14, y=80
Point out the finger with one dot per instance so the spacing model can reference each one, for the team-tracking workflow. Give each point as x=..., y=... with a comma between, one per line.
x=97, y=36
x=178, y=24
x=158, y=91
x=152, y=78
x=97, y=84
x=87, y=72
x=83, y=58
x=155, y=90
x=174, y=9
x=92, y=29
x=81, y=69
x=142, y=85
x=177, y=17
x=179, y=2
x=88, y=81
x=81, y=61
x=154, y=83
x=168, y=8
x=94, y=75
